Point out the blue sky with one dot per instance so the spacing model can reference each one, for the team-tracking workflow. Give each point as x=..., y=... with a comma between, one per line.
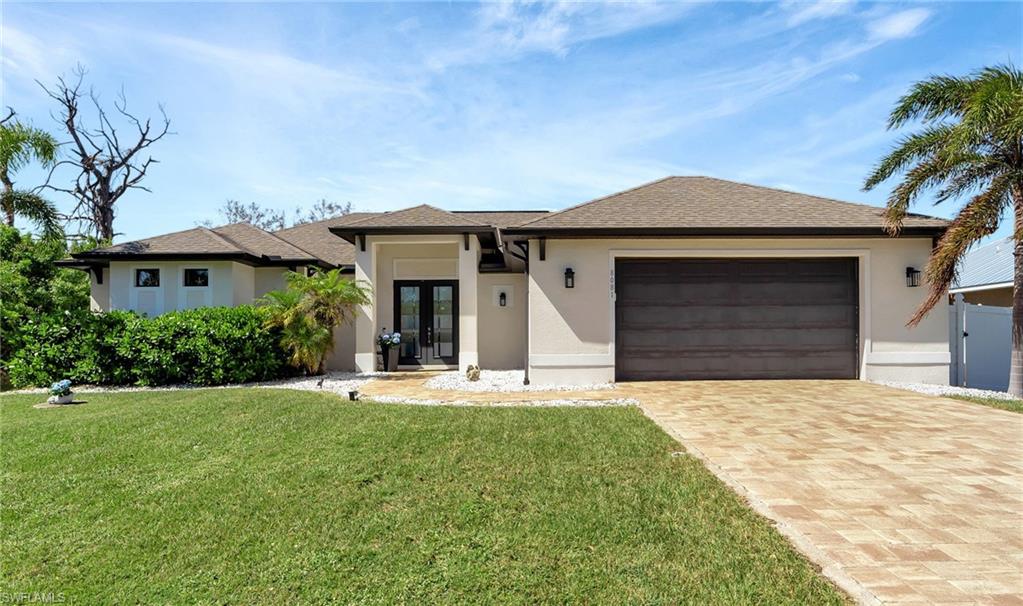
x=468, y=106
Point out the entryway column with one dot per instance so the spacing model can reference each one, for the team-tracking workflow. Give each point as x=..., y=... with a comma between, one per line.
x=365, y=274
x=468, y=268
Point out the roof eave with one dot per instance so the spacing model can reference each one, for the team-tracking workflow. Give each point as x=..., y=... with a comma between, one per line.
x=92, y=257
x=349, y=233
x=715, y=232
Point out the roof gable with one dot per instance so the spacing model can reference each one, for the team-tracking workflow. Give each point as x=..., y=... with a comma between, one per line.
x=705, y=203
x=423, y=215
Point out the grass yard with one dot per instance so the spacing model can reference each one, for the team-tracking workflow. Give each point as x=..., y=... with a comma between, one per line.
x=1010, y=405
x=252, y=496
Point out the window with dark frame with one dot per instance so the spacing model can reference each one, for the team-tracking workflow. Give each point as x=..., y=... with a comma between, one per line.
x=197, y=277
x=147, y=278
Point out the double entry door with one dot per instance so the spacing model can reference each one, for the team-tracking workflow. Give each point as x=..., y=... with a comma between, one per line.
x=426, y=314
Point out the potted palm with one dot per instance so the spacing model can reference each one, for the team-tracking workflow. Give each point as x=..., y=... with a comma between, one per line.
x=387, y=342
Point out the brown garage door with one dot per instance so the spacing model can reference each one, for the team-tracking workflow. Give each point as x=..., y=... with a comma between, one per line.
x=735, y=319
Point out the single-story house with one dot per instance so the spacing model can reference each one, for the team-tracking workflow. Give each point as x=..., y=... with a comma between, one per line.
x=681, y=278
x=985, y=275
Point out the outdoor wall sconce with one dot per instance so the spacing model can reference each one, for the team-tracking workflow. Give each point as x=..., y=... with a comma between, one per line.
x=569, y=278
x=502, y=300
x=912, y=277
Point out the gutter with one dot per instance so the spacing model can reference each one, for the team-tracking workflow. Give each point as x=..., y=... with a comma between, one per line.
x=991, y=286
x=524, y=247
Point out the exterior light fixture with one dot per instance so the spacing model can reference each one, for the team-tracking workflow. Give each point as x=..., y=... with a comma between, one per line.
x=912, y=277
x=502, y=300
x=569, y=278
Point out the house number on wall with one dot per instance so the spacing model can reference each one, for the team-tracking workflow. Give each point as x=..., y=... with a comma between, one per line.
x=611, y=281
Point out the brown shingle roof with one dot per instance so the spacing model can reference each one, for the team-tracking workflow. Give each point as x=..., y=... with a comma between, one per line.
x=235, y=240
x=316, y=238
x=715, y=205
x=502, y=218
x=423, y=215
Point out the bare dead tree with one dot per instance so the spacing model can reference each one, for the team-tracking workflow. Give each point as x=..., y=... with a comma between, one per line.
x=106, y=167
x=234, y=211
x=9, y=116
x=322, y=209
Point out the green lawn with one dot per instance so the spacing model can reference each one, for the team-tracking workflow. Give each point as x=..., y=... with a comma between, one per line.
x=249, y=496
x=1010, y=405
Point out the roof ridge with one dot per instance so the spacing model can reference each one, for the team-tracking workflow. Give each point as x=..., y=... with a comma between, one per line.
x=230, y=241
x=600, y=199
x=796, y=193
x=173, y=233
x=447, y=212
x=291, y=244
x=402, y=210
x=318, y=221
x=500, y=211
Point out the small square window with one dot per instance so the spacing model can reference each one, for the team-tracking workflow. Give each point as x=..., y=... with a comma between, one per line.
x=197, y=277
x=147, y=278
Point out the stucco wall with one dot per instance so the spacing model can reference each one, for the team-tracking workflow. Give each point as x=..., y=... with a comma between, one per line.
x=99, y=294
x=343, y=356
x=571, y=330
x=170, y=295
x=502, y=330
x=408, y=262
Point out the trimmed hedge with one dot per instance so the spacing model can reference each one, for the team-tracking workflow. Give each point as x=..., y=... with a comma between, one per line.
x=204, y=346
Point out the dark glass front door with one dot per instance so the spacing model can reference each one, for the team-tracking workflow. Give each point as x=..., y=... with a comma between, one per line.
x=426, y=314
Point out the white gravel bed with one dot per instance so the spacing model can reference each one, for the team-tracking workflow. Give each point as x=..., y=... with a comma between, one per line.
x=947, y=390
x=336, y=382
x=503, y=381
x=561, y=402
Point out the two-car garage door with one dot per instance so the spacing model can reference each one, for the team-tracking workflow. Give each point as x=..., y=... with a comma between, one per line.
x=737, y=318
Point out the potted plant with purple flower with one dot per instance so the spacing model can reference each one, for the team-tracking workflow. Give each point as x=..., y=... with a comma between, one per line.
x=60, y=392
x=387, y=342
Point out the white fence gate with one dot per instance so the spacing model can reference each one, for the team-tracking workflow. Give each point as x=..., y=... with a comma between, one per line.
x=980, y=342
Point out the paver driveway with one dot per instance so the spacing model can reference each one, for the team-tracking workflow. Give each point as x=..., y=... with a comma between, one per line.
x=901, y=497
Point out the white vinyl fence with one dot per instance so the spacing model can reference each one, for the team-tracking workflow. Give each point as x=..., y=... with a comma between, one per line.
x=980, y=341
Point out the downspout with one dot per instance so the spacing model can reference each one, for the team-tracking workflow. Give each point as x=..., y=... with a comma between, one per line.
x=524, y=246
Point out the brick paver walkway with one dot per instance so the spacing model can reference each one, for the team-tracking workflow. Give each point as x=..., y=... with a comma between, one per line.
x=902, y=497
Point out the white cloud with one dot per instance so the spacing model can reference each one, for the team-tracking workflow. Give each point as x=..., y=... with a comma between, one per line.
x=26, y=56
x=507, y=30
x=821, y=9
x=898, y=25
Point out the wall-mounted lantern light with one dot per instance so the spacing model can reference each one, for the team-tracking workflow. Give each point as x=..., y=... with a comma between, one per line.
x=502, y=300
x=912, y=277
x=569, y=278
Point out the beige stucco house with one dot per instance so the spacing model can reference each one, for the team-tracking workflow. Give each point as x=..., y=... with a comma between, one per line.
x=682, y=278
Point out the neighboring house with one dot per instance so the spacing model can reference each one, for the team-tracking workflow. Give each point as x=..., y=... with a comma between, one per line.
x=682, y=278
x=985, y=275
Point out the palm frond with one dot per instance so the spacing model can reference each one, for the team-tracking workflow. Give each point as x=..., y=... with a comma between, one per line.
x=21, y=143
x=977, y=219
x=33, y=207
x=909, y=149
x=933, y=99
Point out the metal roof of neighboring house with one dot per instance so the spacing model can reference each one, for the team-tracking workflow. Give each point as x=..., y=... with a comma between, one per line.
x=988, y=265
x=235, y=241
x=705, y=205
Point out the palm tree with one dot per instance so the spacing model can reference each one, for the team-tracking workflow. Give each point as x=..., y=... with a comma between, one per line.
x=970, y=145
x=307, y=312
x=19, y=145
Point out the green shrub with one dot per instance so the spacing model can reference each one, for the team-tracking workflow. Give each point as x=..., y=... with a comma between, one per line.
x=205, y=346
